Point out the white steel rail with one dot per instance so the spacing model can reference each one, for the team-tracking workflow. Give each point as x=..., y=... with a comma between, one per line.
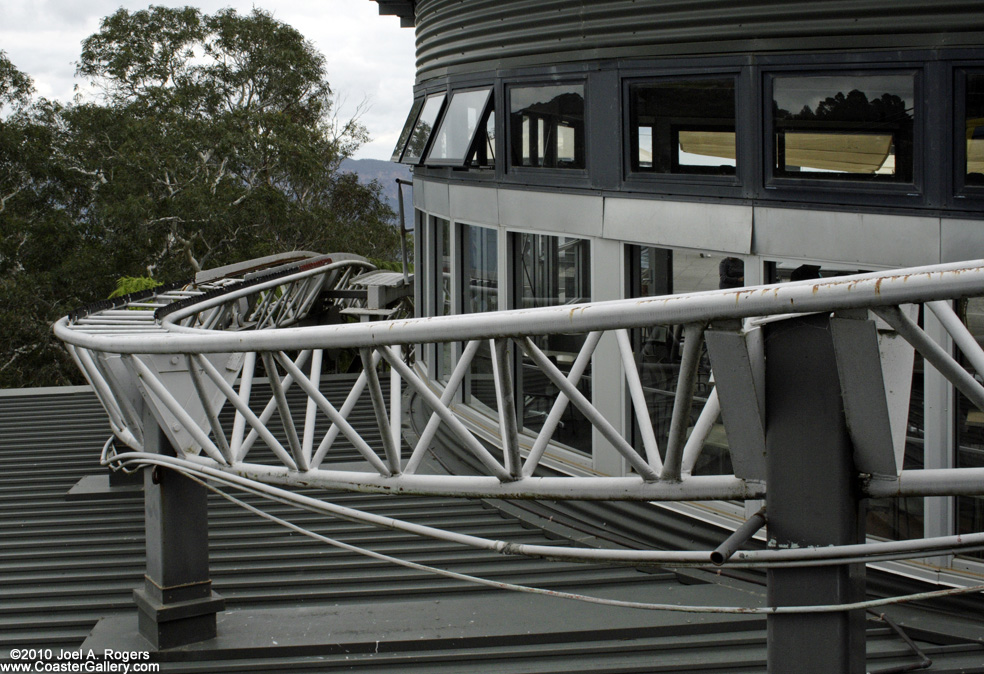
x=237, y=321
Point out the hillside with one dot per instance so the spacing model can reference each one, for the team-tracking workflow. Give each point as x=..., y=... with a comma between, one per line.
x=386, y=172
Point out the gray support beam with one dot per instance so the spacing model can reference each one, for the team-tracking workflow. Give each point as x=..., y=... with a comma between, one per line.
x=812, y=500
x=176, y=605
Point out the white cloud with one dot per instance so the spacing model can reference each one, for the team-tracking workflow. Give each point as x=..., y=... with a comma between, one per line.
x=370, y=58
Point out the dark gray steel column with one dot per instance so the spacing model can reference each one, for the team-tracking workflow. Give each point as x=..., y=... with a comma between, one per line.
x=812, y=500
x=176, y=605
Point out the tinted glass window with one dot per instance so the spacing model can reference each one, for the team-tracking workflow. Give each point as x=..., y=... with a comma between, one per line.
x=458, y=128
x=844, y=127
x=659, y=349
x=974, y=116
x=480, y=293
x=685, y=126
x=546, y=126
x=407, y=128
x=423, y=128
x=552, y=270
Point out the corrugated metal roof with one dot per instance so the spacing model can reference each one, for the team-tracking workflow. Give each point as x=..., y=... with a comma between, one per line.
x=65, y=564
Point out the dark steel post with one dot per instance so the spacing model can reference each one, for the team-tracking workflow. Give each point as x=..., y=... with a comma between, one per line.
x=176, y=605
x=812, y=500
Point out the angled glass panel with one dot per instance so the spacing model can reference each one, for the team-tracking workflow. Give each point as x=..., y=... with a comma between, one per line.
x=407, y=128
x=974, y=129
x=458, y=127
x=683, y=126
x=417, y=144
x=483, y=151
x=844, y=127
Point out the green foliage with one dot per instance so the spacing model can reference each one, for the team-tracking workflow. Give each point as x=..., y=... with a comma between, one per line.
x=214, y=139
x=133, y=284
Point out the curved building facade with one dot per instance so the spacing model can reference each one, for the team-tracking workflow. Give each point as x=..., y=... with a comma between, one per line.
x=566, y=151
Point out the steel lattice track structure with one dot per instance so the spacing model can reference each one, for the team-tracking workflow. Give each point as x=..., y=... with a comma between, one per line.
x=176, y=354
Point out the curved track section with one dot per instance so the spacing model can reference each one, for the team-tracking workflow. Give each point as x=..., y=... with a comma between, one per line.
x=203, y=345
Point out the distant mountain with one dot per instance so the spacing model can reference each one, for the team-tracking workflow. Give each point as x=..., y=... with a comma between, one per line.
x=386, y=172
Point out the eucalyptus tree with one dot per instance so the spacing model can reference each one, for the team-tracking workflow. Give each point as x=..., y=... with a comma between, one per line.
x=215, y=138
x=210, y=139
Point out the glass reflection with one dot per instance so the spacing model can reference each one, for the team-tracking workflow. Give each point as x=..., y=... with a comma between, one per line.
x=974, y=121
x=547, y=126
x=463, y=118
x=407, y=128
x=480, y=293
x=552, y=270
x=822, y=132
x=683, y=126
x=658, y=350
x=422, y=129
x=442, y=248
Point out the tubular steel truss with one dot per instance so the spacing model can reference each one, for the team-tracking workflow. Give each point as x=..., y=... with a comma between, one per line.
x=203, y=346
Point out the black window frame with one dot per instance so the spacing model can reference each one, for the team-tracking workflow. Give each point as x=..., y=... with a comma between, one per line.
x=465, y=160
x=408, y=127
x=425, y=148
x=519, y=169
x=630, y=173
x=966, y=195
x=845, y=191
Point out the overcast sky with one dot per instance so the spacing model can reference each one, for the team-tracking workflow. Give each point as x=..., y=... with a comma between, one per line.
x=369, y=56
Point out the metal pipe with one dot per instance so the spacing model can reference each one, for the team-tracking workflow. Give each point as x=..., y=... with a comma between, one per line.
x=469, y=440
x=962, y=337
x=379, y=408
x=638, y=396
x=933, y=353
x=581, y=364
x=258, y=426
x=155, y=387
x=283, y=408
x=737, y=540
x=508, y=424
x=595, y=417
x=864, y=290
x=360, y=444
x=702, y=429
x=683, y=400
x=454, y=381
x=245, y=387
x=403, y=233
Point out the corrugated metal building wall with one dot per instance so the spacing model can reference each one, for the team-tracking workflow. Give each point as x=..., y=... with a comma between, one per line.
x=462, y=35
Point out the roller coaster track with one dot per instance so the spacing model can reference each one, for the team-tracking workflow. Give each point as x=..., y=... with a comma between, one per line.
x=181, y=352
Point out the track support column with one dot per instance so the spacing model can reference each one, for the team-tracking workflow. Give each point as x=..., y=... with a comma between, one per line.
x=812, y=500
x=176, y=605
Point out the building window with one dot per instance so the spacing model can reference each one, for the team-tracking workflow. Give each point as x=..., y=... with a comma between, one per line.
x=407, y=129
x=480, y=293
x=546, y=126
x=843, y=127
x=464, y=119
x=422, y=129
x=974, y=129
x=552, y=270
x=683, y=126
x=658, y=350
x=442, y=291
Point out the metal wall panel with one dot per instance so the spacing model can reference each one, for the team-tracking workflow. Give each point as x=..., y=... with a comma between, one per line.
x=873, y=240
x=459, y=36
